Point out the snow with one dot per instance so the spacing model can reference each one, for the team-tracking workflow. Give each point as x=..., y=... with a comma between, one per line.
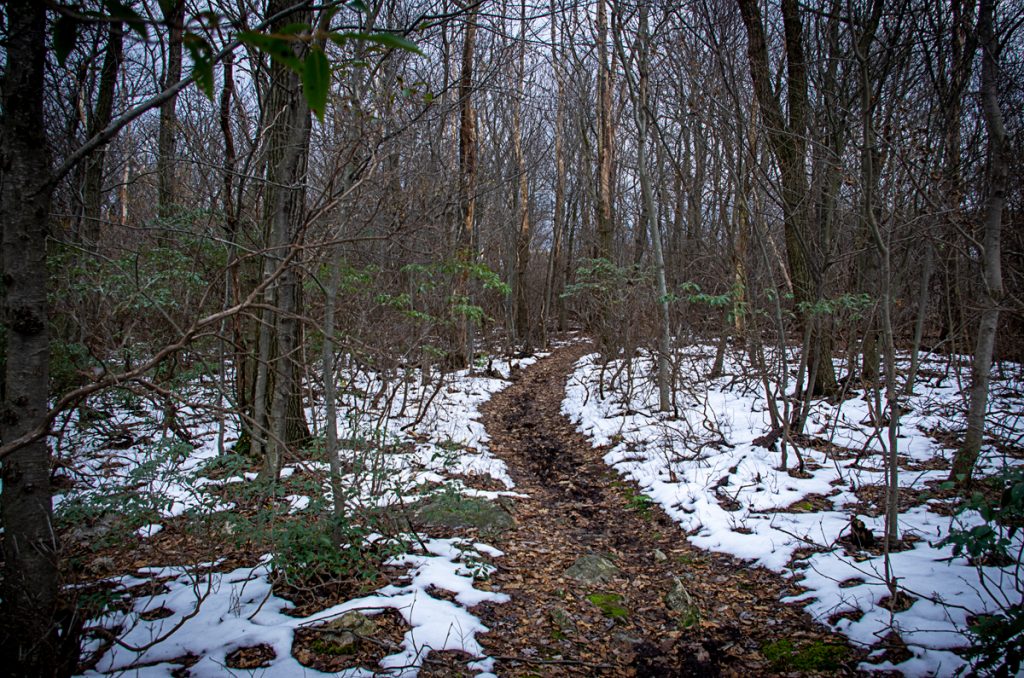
x=400, y=440
x=221, y=612
x=150, y=530
x=728, y=496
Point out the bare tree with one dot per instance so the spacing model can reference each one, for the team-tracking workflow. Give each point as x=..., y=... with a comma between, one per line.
x=992, y=277
x=787, y=135
x=31, y=643
x=174, y=17
x=287, y=117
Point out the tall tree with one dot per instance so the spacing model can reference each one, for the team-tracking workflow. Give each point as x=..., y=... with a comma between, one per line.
x=553, y=280
x=991, y=266
x=787, y=135
x=174, y=18
x=605, y=137
x=524, y=231
x=288, y=121
x=31, y=639
x=92, y=183
x=465, y=245
x=639, y=90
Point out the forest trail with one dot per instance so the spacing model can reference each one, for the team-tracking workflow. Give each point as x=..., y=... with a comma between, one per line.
x=578, y=506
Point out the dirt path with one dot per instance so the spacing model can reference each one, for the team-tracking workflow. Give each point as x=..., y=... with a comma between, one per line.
x=577, y=505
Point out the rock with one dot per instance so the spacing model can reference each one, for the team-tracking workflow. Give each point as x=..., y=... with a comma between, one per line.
x=95, y=530
x=353, y=623
x=593, y=568
x=102, y=565
x=563, y=621
x=679, y=601
x=340, y=643
x=455, y=511
x=626, y=639
x=341, y=636
x=659, y=556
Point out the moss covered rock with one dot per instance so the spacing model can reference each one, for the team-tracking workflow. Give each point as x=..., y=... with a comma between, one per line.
x=593, y=568
x=455, y=511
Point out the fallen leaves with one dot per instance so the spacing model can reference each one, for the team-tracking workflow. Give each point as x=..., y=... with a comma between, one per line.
x=576, y=506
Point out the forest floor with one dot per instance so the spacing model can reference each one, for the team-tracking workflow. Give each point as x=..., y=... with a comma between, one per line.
x=537, y=518
x=726, y=613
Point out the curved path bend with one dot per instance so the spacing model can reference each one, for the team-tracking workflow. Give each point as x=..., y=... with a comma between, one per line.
x=578, y=505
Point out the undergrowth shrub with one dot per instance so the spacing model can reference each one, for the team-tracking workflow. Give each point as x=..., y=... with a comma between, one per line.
x=102, y=517
x=614, y=302
x=311, y=546
x=997, y=639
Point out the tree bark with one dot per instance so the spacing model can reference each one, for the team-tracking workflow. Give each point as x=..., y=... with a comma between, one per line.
x=605, y=138
x=553, y=286
x=524, y=231
x=870, y=171
x=174, y=17
x=465, y=246
x=787, y=136
x=92, y=184
x=639, y=93
x=284, y=198
x=32, y=642
x=992, y=277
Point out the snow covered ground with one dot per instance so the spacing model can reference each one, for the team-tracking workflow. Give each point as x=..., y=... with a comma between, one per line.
x=727, y=493
x=399, y=437
x=220, y=612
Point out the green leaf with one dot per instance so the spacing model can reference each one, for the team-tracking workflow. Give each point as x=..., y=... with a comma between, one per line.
x=389, y=40
x=202, y=62
x=316, y=81
x=279, y=49
x=292, y=29
x=118, y=10
x=211, y=18
x=65, y=32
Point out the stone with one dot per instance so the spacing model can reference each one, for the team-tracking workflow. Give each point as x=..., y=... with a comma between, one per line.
x=341, y=643
x=679, y=601
x=593, y=568
x=102, y=565
x=563, y=621
x=659, y=556
x=353, y=623
x=455, y=511
x=93, y=531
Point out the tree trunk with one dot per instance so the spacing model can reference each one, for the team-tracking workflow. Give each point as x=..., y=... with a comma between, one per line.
x=465, y=239
x=787, y=136
x=524, y=232
x=870, y=170
x=605, y=138
x=553, y=288
x=967, y=456
x=287, y=150
x=92, y=185
x=31, y=640
x=638, y=89
x=174, y=17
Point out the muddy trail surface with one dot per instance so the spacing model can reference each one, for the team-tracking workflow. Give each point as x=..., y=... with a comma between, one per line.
x=725, y=617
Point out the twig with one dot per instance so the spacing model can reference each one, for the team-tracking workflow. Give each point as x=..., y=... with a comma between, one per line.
x=561, y=662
